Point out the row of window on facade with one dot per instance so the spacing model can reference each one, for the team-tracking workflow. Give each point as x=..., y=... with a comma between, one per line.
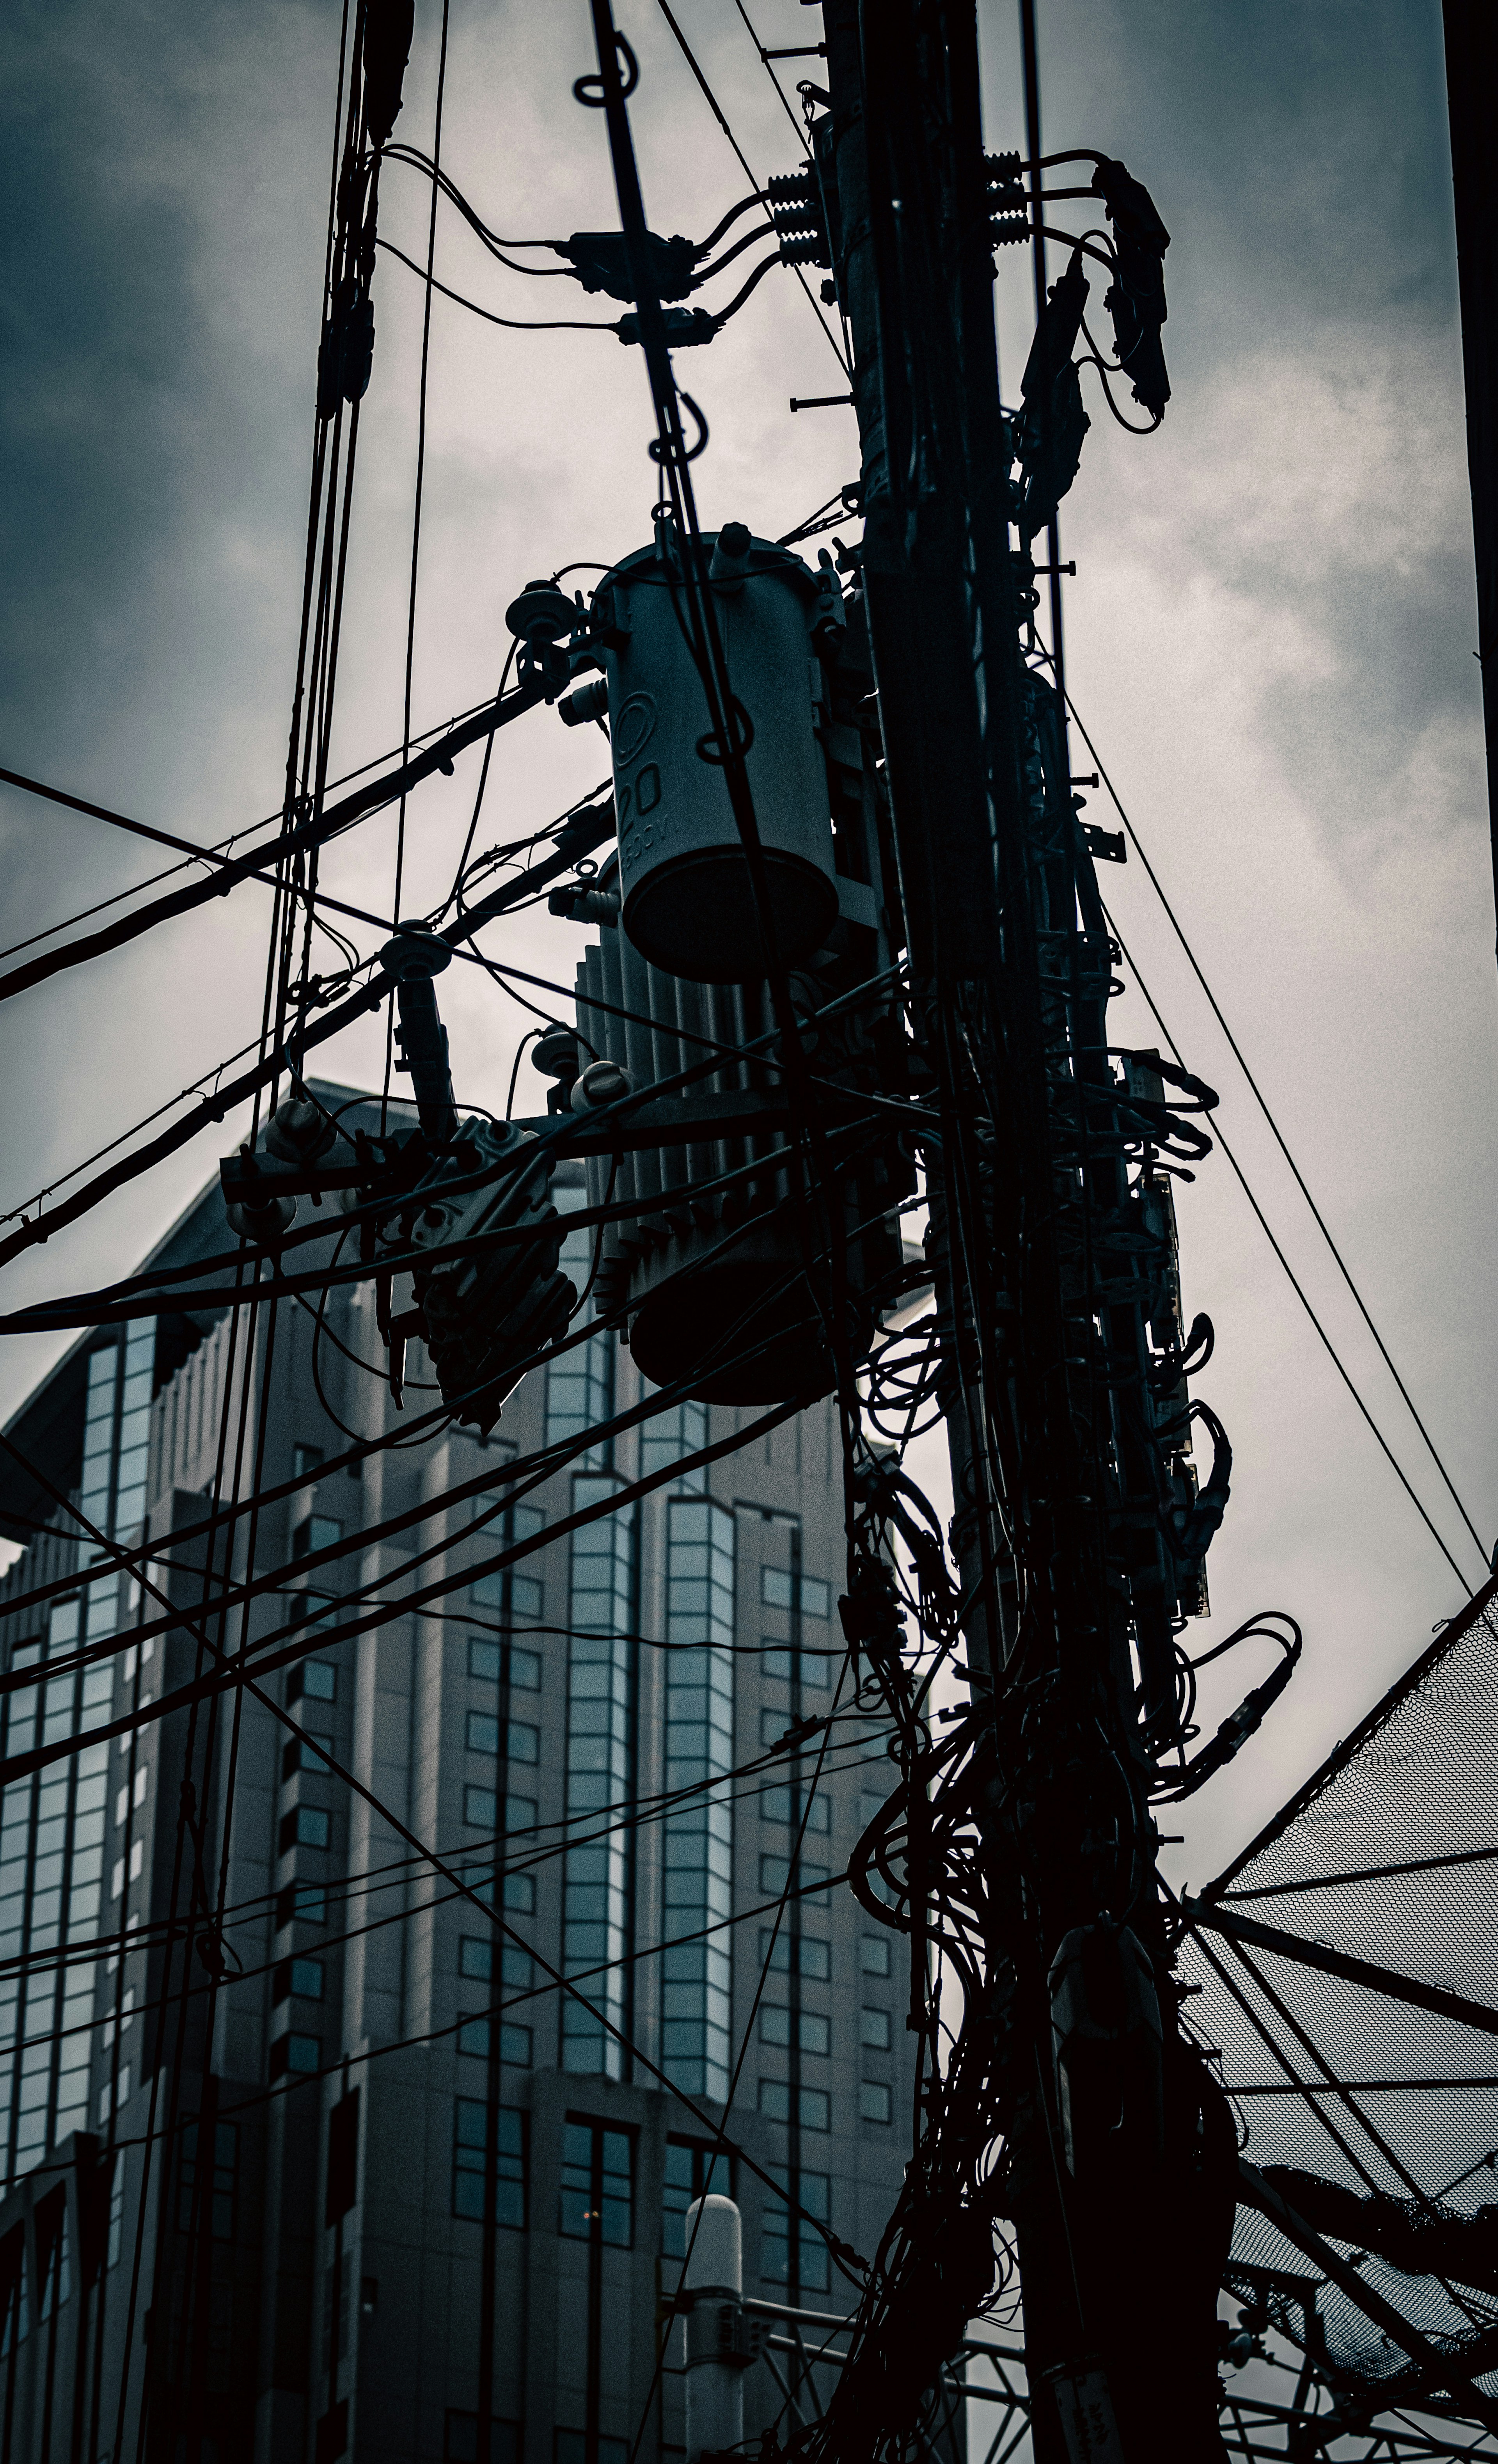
x=598, y=2194
x=304, y=1979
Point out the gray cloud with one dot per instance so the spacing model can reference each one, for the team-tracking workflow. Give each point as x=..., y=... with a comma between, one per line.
x=1270, y=631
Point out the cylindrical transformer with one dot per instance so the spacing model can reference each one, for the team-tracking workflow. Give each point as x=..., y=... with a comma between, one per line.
x=689, y=904
x=706, y=1278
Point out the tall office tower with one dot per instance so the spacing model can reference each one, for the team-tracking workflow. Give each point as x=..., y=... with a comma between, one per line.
x=299, y=2123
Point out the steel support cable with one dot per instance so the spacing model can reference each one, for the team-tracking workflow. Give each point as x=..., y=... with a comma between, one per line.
x=1294, y=1283
x=281, y=942
x=347, y=64
x=195, y=850
x=197, y=854
x=1274, y=1127
x=1295, y=2084
x=421, y=475
x=308, y=832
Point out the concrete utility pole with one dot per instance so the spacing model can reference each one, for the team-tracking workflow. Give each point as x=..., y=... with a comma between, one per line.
x=712, y=2296
x=1120, y=2231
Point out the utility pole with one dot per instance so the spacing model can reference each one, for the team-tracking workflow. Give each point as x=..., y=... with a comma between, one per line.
x=1121, y=2227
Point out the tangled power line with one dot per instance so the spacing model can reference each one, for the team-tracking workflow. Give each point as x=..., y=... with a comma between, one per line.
x=814, y=1103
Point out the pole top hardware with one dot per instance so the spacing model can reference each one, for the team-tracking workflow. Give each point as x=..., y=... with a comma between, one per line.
x=416, y=952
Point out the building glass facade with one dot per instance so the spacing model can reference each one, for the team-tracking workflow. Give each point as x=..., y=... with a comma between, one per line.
x=597, y=1877
x=53, y=1825
x=697, y=1881
x=503, y=1723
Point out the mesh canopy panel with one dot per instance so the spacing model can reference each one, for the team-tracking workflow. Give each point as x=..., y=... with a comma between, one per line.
x=1388, y=1854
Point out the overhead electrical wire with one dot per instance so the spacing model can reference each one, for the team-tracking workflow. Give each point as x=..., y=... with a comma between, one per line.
x=1297, y=1286
x=920, y=1850
x=839, y=350
x=1277, y=1134
x=521, y=1475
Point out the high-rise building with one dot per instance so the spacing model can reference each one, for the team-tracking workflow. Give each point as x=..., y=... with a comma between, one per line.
x=305, y=2147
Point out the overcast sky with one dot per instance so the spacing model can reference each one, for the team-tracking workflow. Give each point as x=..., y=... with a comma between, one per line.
x=1270, y=636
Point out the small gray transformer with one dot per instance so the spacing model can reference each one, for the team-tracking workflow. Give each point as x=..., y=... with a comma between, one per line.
x=688, y=903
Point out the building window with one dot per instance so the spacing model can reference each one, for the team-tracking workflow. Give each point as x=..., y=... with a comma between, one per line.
x=471, y=2162
x=314, y=1531
x=806, y=2030
x=785, y=1953
x=477, y=1960
x=793, y=2252
x=873, y=1954
x=481, y=1809
x=223, y=2189
x=306, y=1826
x=296, y=2053
x=778, y=1591
x=572, y=2448
x=873, y=2030
x=596, y=2184
x=669, y=1436
x=508, y=1592
x=793, y=1805
x=698, y=1836
x=485, y=1659
x=811, y=2107
x=301, y=1904
x=474, y=2036
x=693, y=2167
x=302, y=1977
x=316, y=1679
x=597, y=1877
x=778, y=1877
x=302, y=1753
x=873, y=2100
x=461, y=2443
x=814, y=1667
x=305, y=1460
